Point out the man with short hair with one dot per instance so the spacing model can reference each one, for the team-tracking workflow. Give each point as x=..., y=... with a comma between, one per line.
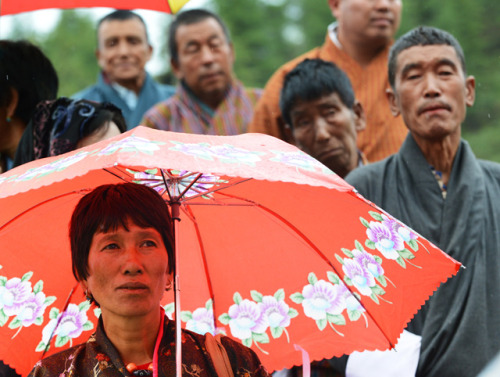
x=209, y=99
x=358, y=43
x=437, y=186
x=123, y=50
x=318, y=104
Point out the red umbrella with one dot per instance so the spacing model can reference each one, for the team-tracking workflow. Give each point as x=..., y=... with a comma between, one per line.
x=19, y=6
x=274, y=249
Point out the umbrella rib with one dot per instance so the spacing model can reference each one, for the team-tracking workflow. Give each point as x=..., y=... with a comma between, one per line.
x=204, y=258
x=314, y=247
x=39, y=204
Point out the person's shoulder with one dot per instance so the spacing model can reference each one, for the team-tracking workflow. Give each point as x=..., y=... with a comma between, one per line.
x=368, y=172
x=164, y=90
x=91, y=93
x=56, y=364
x=253, y=93
x=242, y=358
x=490, y=168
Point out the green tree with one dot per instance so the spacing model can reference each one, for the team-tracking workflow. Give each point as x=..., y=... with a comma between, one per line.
x=71, y=46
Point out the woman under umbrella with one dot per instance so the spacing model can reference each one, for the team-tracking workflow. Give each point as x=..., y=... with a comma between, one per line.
x=122, y=248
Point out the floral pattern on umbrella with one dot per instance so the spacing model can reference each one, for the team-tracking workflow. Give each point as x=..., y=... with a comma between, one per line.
x=65, y=326
x=22, y=302
x=303, y=258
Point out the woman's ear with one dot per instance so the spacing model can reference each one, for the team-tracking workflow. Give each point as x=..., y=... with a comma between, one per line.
x=13, y=102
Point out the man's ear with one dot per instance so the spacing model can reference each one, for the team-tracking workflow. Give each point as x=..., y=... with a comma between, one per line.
x=359, y=116
x=176, y=69
x=100, y=63
x=150, y=52
x=334, y=7
x=470, y=90
x=393, y=102
x=13, y=102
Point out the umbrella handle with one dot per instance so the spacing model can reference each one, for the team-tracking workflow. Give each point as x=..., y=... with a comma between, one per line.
x=177, y=294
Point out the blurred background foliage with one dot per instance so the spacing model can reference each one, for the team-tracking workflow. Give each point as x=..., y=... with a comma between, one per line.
x=267, y=33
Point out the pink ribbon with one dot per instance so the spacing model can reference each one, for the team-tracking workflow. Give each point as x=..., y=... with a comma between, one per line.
x=306, y=361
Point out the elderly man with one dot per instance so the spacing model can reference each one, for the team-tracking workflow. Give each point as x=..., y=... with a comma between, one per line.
x=359, y=45
x=318, y=104
x=122, y=53
x=209, y=100
x=436, y=185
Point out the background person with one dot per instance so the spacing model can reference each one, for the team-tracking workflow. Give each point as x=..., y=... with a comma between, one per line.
x=63, y=125
x=123, y=50
x=358, y=43
x=318, y=104
x=123, y=256
x=26, y=77
x=437, y=186
x=209, y=99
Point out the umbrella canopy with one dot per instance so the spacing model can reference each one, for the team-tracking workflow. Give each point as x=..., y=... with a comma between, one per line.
x=19, y=6
x=276, y=250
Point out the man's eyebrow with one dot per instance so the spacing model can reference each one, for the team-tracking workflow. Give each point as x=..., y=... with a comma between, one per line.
x=409, y=67
x=446, y=61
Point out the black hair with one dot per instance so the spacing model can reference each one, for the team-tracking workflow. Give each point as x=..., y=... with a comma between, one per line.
x=25, y=68
x=121, y=15
x=310, y=80
x=189, y=17
x=111, y=206
x=100, y=122
x=422, y=36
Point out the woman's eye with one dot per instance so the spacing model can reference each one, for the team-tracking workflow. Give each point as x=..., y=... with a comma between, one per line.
x=111, y=246
x=149, y=243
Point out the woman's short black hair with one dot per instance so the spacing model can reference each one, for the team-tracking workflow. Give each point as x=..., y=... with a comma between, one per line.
x=111, y=206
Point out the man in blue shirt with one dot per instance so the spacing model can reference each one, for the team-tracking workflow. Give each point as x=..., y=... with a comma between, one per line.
x=122, y=53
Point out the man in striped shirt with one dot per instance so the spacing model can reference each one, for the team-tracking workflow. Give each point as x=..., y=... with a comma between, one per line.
x=358, y=43
x=208, y=99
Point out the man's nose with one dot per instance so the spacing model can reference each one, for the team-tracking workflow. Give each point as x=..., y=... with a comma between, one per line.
x=207, y=55
x=123, y=48
x=431, y=86
x=322, y=129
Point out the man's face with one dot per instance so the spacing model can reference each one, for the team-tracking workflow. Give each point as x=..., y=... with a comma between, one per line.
x=205, y=60
x=326, y=129
x=365, y=21
x=123, y=50
x=431, y=91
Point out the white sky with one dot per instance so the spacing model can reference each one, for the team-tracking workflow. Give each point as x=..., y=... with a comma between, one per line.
x=44, y=20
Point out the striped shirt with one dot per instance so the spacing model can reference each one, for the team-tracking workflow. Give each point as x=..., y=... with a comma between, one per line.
x=184, y=113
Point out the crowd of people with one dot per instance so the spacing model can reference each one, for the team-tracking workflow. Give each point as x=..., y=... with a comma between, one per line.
x=384, y=114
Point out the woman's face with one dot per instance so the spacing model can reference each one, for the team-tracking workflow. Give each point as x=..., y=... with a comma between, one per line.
x=128, y=271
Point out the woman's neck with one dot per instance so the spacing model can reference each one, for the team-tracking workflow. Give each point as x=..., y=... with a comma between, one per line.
x=134, y=338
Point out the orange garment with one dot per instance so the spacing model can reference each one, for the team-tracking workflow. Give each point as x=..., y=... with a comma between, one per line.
x=383, y=134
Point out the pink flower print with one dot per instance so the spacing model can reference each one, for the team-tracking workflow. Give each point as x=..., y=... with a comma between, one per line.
x=274, y=312
x=33, y=308
x=322, y=298
x=72, y=321
x=246, y=318
x=361, y=278
x=13, y=296
x=405, y=233
x=202, y=321
x=386, y=240
x=368, y=262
